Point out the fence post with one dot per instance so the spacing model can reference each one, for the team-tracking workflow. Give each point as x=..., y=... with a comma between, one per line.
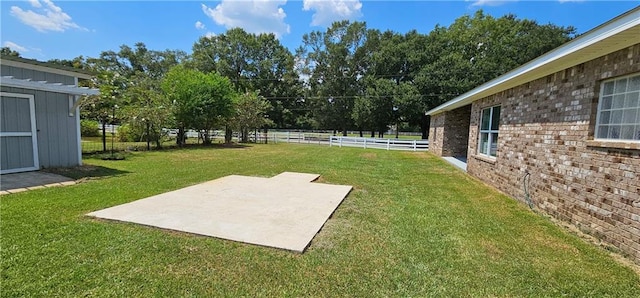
x=340, y=141
x=330, y=141
x=298, y=137
x=365, y=143
x=388, y=144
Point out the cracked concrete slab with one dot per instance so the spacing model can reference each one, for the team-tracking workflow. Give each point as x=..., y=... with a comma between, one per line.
x=285, y=211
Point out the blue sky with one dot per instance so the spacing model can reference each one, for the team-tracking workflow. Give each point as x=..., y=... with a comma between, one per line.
x=44, y=29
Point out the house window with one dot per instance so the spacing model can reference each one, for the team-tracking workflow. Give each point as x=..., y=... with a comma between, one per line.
x=488, y=143
x=619, y=109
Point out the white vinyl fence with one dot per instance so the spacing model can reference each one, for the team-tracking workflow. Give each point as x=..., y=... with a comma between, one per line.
x=338, y=141
x=387, y=144
x=291, y=137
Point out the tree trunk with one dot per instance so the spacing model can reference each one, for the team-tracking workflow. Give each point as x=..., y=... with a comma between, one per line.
x=397, y=130
x=104, y=136
x=266, y=135
x=228, y=134
x=361, y=133
x=148, y=136
x=424, y=126
x=205, y=137
x=373, y=133
x=180, y=137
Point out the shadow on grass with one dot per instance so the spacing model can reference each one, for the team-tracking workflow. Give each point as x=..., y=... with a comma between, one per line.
x=86, y=172
x=126, y=150
x=211, y=146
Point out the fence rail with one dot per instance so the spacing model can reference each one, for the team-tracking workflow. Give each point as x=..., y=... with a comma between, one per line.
x=388, y=144
x=291, y=137
x=294, y=137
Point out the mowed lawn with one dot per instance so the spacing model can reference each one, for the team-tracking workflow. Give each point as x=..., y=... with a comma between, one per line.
x=412, y=226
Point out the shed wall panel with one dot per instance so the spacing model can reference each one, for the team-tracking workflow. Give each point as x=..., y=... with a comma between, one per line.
x=15, y=115
x=17, y=153
x=56, y=131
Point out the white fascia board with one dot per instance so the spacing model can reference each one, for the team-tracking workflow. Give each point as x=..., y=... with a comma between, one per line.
x=44, y=86
x=617, y=25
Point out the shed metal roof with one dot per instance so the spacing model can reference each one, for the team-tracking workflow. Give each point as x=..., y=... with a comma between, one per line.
x=45, y=66
x=614, y=35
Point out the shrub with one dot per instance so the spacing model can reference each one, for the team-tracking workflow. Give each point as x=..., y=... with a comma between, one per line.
x=128, y=133
x=89, y=128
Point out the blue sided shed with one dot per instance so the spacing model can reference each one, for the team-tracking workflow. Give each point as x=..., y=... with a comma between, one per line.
x=39, y=117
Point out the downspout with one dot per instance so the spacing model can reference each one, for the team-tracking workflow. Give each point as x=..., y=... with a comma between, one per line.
x=526, y=180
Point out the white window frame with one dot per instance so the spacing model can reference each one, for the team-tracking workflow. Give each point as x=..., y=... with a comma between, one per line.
x=490, y=141
x=598, y=126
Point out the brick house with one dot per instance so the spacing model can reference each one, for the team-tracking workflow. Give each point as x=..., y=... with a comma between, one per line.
x=561, y=133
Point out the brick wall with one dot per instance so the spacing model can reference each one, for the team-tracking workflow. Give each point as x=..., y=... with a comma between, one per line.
x=436, y=134
x=546, y=129
x=454, y=140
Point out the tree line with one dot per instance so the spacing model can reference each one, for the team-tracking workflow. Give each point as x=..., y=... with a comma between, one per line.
x=347, y=77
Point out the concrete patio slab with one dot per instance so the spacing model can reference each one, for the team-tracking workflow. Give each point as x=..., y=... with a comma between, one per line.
x=293, y=177
x=17, y=182
x=285, y=211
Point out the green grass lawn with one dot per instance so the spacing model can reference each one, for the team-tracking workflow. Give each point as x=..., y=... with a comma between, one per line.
x=412, y=226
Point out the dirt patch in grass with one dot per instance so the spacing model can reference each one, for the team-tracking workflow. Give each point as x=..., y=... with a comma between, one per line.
x=369, y=155
x=491, y=250
x=612, y=251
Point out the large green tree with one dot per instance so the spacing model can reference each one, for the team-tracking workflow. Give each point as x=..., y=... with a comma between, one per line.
x=475, y=49
x=250, y=113
x=201, y=101
x=334, y=62
x=393, y=58
x=257, y=63
x=147, y=109
x=137, y=68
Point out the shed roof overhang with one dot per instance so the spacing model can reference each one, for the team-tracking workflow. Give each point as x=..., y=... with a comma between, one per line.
x=9, y=81
x=614, y=35
x=45, y=67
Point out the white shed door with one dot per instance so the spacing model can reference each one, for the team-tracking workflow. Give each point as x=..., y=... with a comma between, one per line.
x=18, y=138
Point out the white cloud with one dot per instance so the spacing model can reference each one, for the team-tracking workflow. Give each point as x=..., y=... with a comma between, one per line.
x=254, y=16
x=490, y=2
x=329, y=11
x=25, y=51
x=200, y=25
x=35, y=3
x=14, y=46
x=209, y=35
x=46, y=18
